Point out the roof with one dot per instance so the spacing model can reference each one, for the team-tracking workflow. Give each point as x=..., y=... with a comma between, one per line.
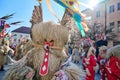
x=22, y=29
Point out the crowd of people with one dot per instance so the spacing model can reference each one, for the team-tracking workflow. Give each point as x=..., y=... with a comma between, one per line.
x=96, y=58
x=93, y=55
x=8, y=50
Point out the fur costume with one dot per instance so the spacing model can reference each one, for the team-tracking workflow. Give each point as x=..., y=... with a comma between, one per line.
x=69, y=71
x=102, y=61
x=90, y=63
x=32, y=61
x=113, y=63
x=101, y=51
x=115, y=51
x=4, y=49
x=22, y=49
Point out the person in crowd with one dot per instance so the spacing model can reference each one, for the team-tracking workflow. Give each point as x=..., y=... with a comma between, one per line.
x=70, y=50
x=100, y=43
x=89, y=62
x=113, y=63
x=2, y=56
x=4, y=52
x=76, y=54
x=20, y=40
x=102, y=61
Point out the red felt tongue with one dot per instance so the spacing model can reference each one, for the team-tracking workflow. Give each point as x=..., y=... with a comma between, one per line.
x=44, y=68
x=71, y=2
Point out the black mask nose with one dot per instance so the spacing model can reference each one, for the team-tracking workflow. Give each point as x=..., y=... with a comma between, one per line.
x=46, y=47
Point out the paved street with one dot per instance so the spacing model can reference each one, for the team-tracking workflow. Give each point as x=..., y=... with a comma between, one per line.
x=2, y=73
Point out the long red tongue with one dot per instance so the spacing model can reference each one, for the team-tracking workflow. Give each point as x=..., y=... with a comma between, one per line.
x=44, y=68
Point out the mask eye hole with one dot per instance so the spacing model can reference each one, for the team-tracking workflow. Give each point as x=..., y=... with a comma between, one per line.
x=45, y=40
x=51, y=40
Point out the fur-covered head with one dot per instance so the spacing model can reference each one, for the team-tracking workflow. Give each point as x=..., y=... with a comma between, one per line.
x=4, y=41
x=91, y=51
x=69, y=72
x=49, y=31
x=22, y=49
x=74, y=71
x=103, y=51
x=114, y=51
x=88, y=49
x=4, y=46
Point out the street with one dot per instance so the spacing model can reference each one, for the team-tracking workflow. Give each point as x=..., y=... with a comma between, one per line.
x=2, y=73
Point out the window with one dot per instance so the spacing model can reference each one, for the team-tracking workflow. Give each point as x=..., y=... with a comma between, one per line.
x=98, y=14
x=118, y=26
x=119, y=6
x=111, y=26
x=111, y=9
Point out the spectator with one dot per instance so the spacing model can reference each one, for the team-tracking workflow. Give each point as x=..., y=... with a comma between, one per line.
x=76, y=55
x=102, y=61
x=113, y=63
x=70, y=50
x=89, y=62
x=100, y=43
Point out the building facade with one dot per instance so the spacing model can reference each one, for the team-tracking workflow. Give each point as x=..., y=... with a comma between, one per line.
x=22, y=32
x=105, y=17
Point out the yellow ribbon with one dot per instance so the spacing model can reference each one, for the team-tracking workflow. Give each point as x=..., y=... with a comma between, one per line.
x=51, y=10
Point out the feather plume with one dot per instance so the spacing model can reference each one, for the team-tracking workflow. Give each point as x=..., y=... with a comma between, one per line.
x=15, y=23
x=7, y=16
